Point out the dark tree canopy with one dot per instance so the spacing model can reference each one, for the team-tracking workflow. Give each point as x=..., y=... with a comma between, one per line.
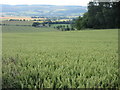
x=35, y=24
x=100, y=15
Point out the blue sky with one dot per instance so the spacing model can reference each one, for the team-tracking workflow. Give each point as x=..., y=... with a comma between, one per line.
x=50, y=2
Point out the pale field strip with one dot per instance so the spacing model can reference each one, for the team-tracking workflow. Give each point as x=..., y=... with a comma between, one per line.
x=20, y=18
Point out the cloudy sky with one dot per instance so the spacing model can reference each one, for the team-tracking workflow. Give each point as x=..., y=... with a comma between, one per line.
x=50, y=2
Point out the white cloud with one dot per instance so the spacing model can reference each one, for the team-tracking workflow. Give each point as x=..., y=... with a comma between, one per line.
x=51, y=2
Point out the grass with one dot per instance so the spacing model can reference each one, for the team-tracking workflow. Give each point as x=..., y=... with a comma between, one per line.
x=25, y=29
x=74, y=59
x=18, y=22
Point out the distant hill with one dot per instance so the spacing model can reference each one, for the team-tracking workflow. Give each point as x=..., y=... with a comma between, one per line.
x=42, y=10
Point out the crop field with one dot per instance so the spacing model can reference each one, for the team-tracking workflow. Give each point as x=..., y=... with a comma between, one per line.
x=20, y=18
x=18, y=22
x=56, y=59
x=26, y=29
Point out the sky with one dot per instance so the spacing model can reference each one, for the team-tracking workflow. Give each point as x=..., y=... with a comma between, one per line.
x=47, y=2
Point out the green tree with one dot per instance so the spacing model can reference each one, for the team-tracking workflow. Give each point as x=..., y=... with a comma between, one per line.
x=78, y=23
x=100, y=15
x=35, y=24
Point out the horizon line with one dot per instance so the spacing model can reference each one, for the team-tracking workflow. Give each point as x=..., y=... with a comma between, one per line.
x=43, y=4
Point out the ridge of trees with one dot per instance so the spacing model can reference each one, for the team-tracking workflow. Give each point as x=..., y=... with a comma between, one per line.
x=64, y=28
x=100, y=15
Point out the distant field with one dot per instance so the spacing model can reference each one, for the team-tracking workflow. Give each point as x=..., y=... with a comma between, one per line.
x=20, y=18
x=25, y=29
x=51, y=59
x=28, y=23
x=18, y=22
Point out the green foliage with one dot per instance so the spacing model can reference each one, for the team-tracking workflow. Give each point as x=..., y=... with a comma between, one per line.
x=35, y=24
x=100, y=15
x=63, y=27
x=74, y=59
x=78, y=23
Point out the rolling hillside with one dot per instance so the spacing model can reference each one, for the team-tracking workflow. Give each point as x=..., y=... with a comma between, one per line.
x=42, y=10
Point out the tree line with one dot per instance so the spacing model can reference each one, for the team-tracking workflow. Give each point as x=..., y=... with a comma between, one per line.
x=100, y=15
x=64, y=27
x=61, y=27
